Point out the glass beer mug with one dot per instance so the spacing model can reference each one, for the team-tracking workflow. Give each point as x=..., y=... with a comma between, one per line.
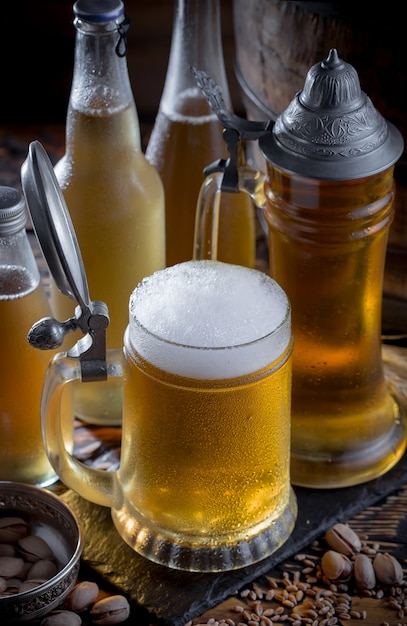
x=328, y=200
x=203, y=482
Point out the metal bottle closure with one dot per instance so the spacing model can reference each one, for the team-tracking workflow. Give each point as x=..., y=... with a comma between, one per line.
x=329, y=131
x=57, y=238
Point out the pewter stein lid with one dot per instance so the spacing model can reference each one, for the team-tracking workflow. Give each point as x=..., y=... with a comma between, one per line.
x=331, y=130
x=57, y=239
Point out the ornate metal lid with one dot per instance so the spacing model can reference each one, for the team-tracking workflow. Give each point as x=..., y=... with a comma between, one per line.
x=331, y=130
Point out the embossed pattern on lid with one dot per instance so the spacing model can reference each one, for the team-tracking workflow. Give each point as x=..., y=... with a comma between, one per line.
x=331, y=129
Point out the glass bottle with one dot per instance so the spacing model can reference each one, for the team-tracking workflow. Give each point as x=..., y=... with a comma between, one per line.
x=22, y=302
x=187, y=137
x=114, y=195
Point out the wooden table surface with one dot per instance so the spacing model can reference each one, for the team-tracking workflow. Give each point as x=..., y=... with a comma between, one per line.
x=293, y=591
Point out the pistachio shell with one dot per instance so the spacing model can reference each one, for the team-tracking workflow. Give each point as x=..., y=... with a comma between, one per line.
x=13, y=585
x=82, y=596
x=44, y=568
x=11, y=566
x=336, y=566
x=343, y=539
x=110, y=610
x=31, y=584
x=62, y=618
x=388, y=570
x=363, y=572
x=7, y=549
x=12, y=529
x=33, y=548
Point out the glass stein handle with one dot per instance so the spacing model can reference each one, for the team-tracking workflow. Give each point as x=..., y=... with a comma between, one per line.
x=98, y=486
x=207, y=210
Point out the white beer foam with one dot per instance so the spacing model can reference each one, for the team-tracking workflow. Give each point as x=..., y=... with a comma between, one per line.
x=208, y=319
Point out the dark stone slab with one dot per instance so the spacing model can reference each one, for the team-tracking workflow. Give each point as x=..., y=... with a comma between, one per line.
x=174, y=597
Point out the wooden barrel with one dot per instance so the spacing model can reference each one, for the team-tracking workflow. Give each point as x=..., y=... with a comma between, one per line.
x=276, y=43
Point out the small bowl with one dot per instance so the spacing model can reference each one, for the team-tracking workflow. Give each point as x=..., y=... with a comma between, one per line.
x=52, y=520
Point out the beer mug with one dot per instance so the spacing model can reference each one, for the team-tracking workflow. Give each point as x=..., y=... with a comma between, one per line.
x=327, y=197
x=204, y=476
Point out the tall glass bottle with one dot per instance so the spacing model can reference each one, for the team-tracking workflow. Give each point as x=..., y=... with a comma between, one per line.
x=22, y=302
x=187, y=137
x=114, y=195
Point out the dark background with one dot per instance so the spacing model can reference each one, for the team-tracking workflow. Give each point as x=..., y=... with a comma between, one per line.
x=37, y=47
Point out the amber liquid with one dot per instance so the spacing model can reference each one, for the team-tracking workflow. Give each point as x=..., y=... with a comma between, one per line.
x=182, y=144
x=206, y=460
x=116, y=203
x=327, y=250
x=22, y=369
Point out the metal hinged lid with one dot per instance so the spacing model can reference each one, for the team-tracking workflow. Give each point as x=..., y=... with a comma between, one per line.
x=331, y=130
x=57, y=239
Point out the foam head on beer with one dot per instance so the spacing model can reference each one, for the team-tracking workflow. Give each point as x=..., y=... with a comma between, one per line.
x=207, y=319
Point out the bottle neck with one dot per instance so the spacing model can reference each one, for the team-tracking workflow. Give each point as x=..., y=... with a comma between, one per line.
x=100, y=80
x=196, y=41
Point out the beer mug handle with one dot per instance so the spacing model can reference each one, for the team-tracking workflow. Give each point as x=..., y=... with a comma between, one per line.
x=95, y=485
x=208, y=206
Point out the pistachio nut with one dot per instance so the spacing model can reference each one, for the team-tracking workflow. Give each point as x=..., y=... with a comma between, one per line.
x=13, y=585
x=26, y=585
x=110, y=610
x=343, y=539
x=44, y=568
x=363, y=572
x=12, y=529
x=388, y=570
x=336, y=566
x=62, y=618
x=82, y=596
x=7, y=549
x=33, y=548
x=11, y=566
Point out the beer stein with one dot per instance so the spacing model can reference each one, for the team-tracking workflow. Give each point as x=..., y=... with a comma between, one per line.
x=203, y=482
x=327, y=197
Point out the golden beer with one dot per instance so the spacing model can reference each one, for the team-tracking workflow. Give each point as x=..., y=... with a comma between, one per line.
x=22, y=369
x=116, y=257
x=327, y=245
x=234, y=475
x=206, y=414
x=196, y=141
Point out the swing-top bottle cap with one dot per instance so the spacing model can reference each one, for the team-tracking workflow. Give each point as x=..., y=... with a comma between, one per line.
x=331, y=130
x=12, y=211
x=98, y=11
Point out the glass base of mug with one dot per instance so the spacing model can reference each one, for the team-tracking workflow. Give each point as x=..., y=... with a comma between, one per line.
x=190, y=556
